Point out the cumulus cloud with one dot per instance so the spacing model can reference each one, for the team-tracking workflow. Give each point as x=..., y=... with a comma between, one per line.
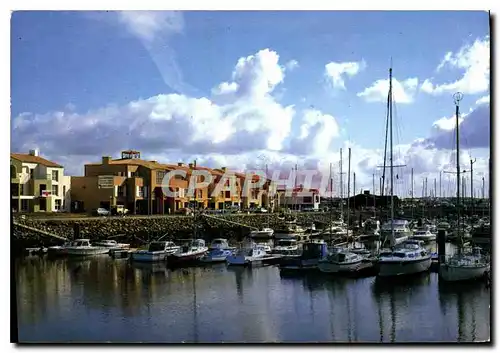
x=474, y=61
x=337, y=72
x=474, y=130
x=251, y=119
x=317, y=132
x=403, y=91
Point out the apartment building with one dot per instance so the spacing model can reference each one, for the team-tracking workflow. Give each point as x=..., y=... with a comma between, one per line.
x=37, y=184
x=135, y=183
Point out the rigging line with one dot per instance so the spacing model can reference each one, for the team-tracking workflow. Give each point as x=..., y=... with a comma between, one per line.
x=385, y=143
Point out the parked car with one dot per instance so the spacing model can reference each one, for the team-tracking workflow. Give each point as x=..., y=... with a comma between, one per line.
x=102, y=212
x=119, y=210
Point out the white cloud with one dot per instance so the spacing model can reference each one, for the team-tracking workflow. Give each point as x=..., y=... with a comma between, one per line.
x=243, y=116
x=447, y=123
x=474, y=61
x=337, y=72
x=292, y=65
x=254, y=76
x=483, y=100
x=147, y=25
x=403, y=92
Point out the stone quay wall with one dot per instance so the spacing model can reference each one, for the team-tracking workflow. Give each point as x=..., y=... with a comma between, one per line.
x=140, y=229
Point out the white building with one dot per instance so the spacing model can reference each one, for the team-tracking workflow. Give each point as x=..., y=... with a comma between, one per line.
x=299, y=199
x=38, y=185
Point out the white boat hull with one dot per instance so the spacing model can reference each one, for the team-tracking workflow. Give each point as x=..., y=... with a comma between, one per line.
x=262, y=234
x=451, y=273
x=146, y=256
x=86, y=251
x=401, y=268
x=332, y=267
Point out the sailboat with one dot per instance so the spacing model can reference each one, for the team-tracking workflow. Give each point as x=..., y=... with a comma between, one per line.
x=343, y=260
x=404, y=259
x=467, y=263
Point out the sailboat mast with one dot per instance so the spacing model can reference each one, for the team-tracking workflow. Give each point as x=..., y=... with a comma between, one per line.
x=331, y=200
x=392, y=160
x=348, y=190
x=341, y=189
x=458, y=97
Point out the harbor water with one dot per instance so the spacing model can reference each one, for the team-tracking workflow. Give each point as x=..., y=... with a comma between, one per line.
x=101, y=300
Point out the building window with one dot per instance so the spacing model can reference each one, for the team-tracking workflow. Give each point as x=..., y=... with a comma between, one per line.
x=307, y=199
x=58, y=205
x=24, y=205
x=200, y=194
x=120, y=191
x=41, y=189
x=55, y=190
x=228, y=194
x=55, y=175
x=140, y=191
x=64, y=191
x=159, y=176
x=32, y=173
x=13, y=172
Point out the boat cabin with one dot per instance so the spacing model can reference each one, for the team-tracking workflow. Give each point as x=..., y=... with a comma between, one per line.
x=81, y=242
x=314, y=250
x=403, y=254
x=219, y=243
x=160, y=246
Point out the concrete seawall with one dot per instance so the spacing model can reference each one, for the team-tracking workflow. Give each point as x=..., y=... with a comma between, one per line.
x=142, y=229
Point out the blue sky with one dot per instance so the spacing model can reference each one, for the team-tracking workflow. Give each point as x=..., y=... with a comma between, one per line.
x=76, y=62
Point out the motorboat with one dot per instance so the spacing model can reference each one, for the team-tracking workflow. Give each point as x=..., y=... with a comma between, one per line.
x=112, y=244
x=58, y=250
x=219, y=244
x=311, y=254
x=157, y=251
x=289, y=231
x=286, y=247
x=216, y=255
x=262, y=233
x=246, y=256
x=267, y=248
x=337, y=229
x=409, y=257
x=424, y=234
x=191, y=251
x=402, y=231
x=82, y=247
x=468, y=264
x=341, y=261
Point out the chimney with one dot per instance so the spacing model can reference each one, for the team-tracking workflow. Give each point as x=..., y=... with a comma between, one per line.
x=224, y=169
x=105, y=159
x=180, y=164
x=153, y=162
x=34, y=152
x=191, y=165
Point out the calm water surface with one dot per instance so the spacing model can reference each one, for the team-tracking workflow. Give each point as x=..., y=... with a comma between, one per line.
x=101, y=299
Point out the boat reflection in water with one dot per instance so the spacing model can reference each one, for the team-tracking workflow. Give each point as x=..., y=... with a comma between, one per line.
x=101, y=299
